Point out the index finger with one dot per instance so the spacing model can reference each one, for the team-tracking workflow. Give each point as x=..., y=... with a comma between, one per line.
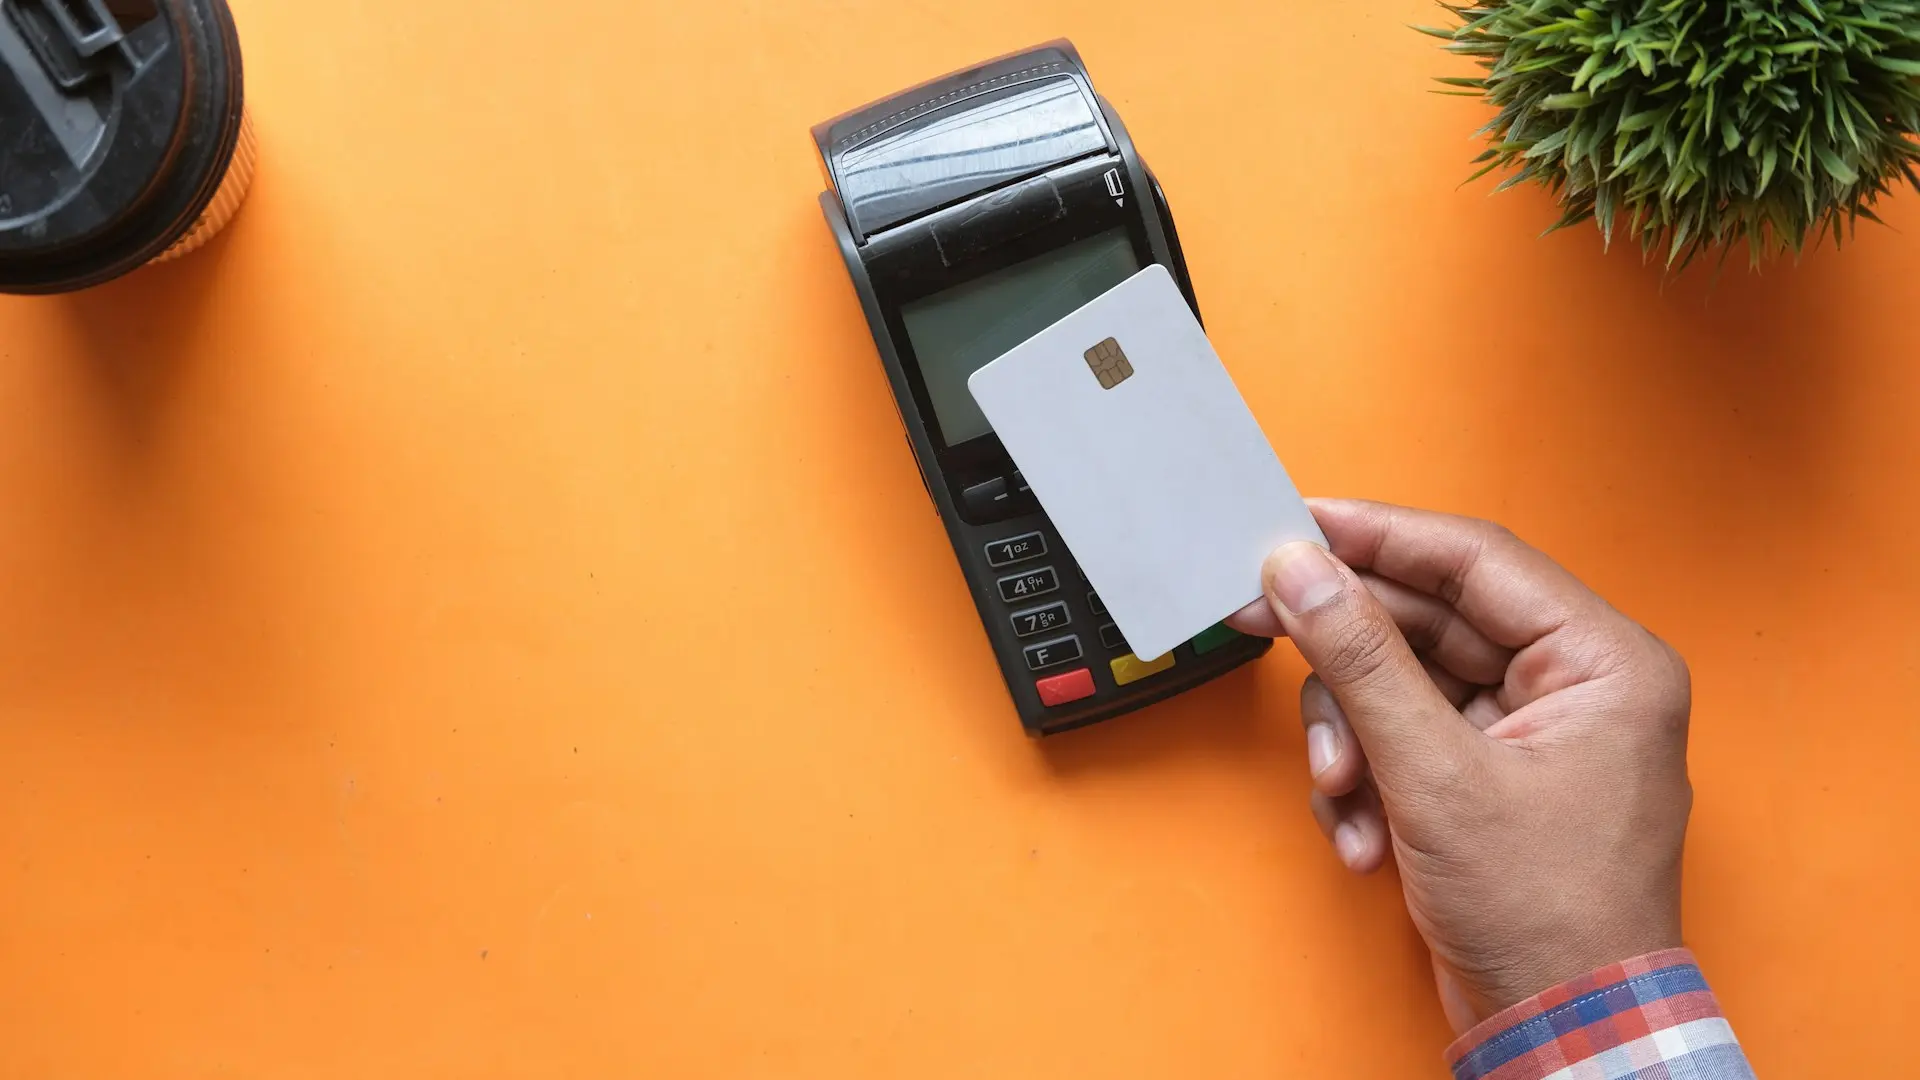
x=1509, y=590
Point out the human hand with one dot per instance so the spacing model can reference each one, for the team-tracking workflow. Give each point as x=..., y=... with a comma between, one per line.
x=1517, y=743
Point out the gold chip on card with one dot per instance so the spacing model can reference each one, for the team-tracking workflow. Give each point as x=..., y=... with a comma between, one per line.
x=1109, y=364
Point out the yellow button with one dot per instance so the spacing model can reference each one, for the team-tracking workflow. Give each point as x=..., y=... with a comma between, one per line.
x=1130, y=668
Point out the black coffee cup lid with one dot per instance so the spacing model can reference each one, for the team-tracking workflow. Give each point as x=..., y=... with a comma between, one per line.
x=118, y=119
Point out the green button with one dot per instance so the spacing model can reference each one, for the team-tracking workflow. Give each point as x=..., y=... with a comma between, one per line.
x=1217, y=636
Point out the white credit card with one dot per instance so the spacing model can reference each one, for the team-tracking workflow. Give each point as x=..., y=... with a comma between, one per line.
x=1142, y=451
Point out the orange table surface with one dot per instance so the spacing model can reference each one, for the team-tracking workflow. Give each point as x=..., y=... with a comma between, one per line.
x=478, y=618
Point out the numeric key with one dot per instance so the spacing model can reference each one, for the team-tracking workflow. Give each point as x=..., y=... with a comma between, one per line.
x=1040, y=620
x=1025, y=586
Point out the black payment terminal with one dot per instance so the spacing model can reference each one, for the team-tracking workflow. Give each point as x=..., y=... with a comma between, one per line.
x=974, y=211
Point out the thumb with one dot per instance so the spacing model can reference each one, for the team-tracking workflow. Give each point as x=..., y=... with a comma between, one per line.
x=1411, y=734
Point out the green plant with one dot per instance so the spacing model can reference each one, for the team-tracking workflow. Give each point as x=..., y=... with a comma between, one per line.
x=1698, y=123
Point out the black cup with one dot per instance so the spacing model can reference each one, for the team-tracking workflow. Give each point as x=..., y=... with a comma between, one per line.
x=124, y=136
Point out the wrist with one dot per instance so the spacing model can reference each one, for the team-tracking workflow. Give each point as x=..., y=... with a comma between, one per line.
x=1585, y=947
x=1567, y=946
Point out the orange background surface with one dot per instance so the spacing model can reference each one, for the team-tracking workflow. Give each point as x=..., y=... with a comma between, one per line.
x=479, y=619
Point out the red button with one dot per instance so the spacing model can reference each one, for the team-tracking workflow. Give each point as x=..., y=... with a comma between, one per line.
x=1060, y=689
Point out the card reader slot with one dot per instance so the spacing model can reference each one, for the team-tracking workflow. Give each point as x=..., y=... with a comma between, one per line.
x=999, y=218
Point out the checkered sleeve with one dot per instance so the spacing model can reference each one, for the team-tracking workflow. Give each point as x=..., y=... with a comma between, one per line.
x=1649, y=1018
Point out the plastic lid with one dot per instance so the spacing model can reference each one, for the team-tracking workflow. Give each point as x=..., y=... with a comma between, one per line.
x=111, y=148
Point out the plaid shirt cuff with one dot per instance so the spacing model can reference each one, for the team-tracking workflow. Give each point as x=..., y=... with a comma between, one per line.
x=1649, y=1017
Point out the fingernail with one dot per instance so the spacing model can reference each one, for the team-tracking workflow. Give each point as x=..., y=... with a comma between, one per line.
x=1349, y=843
x=1323, y=748
x=1303, y=577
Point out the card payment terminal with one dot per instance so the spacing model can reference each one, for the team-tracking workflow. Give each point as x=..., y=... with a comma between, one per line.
x=974, y=211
